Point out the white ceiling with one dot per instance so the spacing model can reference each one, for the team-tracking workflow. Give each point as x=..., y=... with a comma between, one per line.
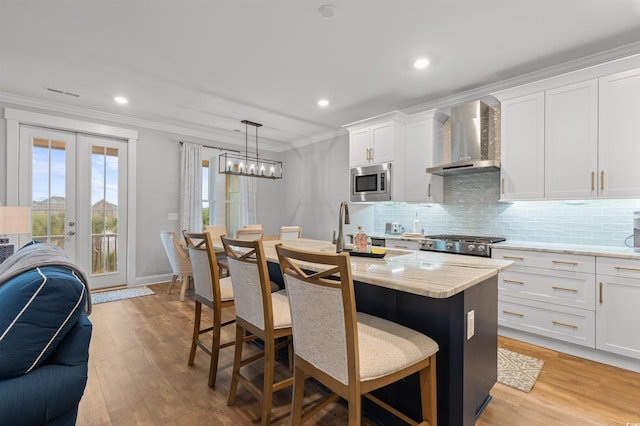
x=206, y=65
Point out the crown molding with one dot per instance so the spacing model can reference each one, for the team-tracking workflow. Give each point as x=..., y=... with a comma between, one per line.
x=217, y=135
x=623, y=52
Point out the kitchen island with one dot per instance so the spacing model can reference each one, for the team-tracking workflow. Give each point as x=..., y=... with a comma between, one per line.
x=433, y=293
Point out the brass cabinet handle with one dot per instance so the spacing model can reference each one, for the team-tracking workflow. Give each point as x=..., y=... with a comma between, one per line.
x=565, y=262
x=593, y=181
x=627, y=268
x=513, y=257
x=371, y=154
x=399, y=246
x=513, y=313
x=513, y=281
x=602, y=180
x=429, y=191
x=573, y=290
x=601, y=292
x=503, y=185
x=564, y=324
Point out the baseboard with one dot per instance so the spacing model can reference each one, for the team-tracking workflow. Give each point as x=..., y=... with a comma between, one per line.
x=153, y=279
x=591, y=354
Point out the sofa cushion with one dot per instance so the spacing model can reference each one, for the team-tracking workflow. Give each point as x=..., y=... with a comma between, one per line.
x=37, y=309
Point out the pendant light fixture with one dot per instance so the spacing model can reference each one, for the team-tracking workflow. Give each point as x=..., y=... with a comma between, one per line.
x=249, y=164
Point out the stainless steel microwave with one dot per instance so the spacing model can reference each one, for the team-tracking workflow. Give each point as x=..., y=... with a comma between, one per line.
x=371, y=183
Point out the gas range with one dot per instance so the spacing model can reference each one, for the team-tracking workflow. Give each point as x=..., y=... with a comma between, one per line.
x=460, y=244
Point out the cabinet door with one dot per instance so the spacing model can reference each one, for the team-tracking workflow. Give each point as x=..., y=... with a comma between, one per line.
x=571, y=141
x=420, y=186
x=382, y=139
x=522, y=169
x=619, y=146
x=617, y=317
x=359, y=147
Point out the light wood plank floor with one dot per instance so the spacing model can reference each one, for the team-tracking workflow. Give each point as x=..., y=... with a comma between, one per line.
x=138, y=375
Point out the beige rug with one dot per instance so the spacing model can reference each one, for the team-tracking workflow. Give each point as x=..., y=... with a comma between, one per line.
x=517, y=370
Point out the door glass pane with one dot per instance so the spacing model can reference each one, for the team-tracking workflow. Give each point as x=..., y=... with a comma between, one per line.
x=104, y=209
x=48, y=191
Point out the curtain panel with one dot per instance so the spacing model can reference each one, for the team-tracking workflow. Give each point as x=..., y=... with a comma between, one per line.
x=191, y=187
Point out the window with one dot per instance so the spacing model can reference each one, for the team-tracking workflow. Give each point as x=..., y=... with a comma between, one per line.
x=213, y=190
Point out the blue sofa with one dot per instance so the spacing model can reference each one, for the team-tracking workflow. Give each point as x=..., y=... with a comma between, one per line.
x=44, y=337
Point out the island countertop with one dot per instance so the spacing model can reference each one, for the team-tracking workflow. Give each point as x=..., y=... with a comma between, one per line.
x=436, y=275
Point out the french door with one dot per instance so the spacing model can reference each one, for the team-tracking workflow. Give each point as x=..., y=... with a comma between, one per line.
x=77, y=187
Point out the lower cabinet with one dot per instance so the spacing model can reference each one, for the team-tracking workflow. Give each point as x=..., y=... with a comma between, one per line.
x=591, y=301
x=548, y=294
x=402, y=244
x=618, y=306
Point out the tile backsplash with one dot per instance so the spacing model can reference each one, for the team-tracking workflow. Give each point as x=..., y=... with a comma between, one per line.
x=471, y=207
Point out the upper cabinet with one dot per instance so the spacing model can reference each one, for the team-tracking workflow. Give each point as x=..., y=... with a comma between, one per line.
x=381, y=139
x=571, y=141
x=619, y=135
x=375, y=143
x=522, y=150
x=424, y=136
x=575, y=141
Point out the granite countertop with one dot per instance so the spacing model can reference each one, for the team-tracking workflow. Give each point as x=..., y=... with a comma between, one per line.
x=603, y=251
x=437, y=275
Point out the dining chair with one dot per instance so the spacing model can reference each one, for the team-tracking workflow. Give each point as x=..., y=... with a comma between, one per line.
x=351, y=353
x=290, y=233
x=179, y=261
x=212, y=292
x=216, y=231
x=249, y=234
x=263, y=314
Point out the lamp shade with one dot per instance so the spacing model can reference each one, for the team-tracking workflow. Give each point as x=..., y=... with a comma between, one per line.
x=15, y=220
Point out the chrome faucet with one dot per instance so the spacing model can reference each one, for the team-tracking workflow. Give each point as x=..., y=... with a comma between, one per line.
x=344, y=207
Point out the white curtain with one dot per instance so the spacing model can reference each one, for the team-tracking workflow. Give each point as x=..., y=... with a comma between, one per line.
x=247, y=206
x=191, y=187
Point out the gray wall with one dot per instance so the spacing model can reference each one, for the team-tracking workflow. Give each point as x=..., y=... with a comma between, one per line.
x=316, y=181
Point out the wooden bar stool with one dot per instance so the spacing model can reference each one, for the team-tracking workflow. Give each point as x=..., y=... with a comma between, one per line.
x=210, y=291
x=260, y=312
x=349, y=352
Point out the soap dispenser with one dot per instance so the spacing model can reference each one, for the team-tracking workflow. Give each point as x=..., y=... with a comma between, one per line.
x=416, y=225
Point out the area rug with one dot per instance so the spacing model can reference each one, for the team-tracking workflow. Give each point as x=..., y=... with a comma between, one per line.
x=517, y=370
x=125, y=293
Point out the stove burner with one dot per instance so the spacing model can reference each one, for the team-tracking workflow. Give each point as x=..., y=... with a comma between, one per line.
x=460, y=244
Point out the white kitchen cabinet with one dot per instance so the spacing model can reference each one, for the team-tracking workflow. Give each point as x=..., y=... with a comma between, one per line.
x=424, y=135
x=571, y=141
x=375, y=144
x=548, y=294
x=617, y=316
x=619, y=134
x=522, y=150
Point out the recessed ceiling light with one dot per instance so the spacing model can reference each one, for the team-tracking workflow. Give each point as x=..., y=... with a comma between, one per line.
x=121, y=100
x=323, y=102
x=327, y=11
x=421, y=63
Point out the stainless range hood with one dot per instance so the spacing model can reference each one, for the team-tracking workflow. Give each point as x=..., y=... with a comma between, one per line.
x=474, y=144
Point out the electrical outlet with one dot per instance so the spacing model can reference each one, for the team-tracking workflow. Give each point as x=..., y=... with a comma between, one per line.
x=471, y=324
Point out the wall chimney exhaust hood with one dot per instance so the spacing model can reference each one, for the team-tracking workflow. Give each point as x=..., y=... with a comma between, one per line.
x=474, y=144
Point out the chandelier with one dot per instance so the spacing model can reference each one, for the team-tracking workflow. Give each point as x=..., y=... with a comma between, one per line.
x=249, y=164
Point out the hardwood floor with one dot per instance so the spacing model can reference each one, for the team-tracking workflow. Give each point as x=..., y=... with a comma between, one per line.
x=138, y=375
